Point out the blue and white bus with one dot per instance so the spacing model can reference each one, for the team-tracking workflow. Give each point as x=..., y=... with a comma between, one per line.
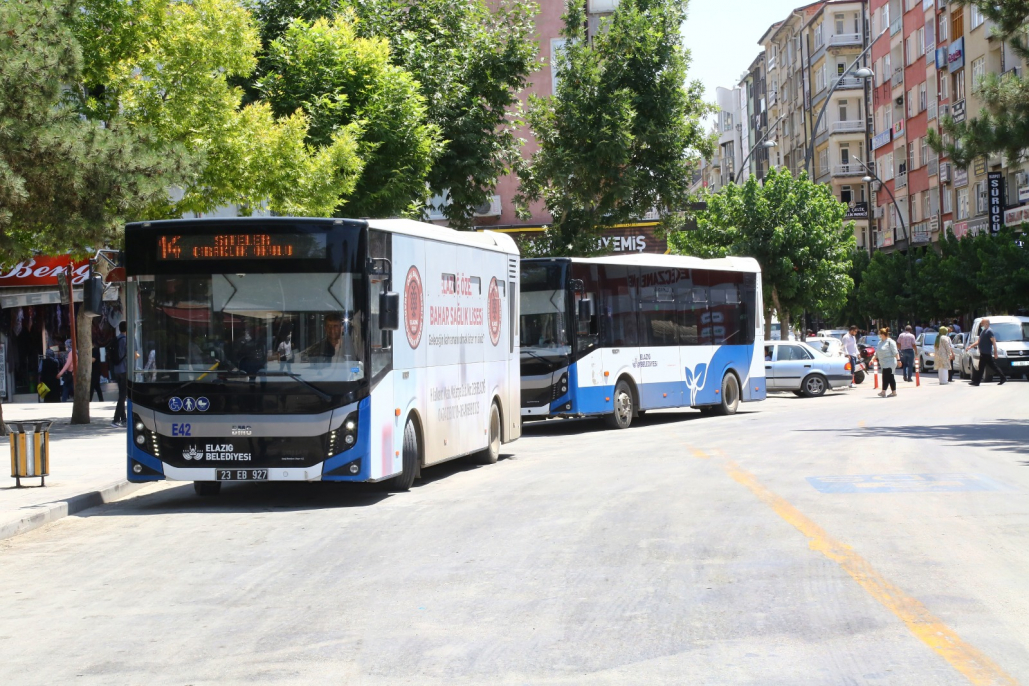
x=288, y=349
x=616, y=336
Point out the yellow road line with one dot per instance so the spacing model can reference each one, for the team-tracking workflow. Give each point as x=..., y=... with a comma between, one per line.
x=698, y=453
x=928, y=628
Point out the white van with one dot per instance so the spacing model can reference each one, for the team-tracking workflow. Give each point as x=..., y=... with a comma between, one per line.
x=1012, y=344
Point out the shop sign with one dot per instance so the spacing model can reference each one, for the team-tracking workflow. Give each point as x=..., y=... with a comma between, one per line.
x=882, y=139
x=957, y=112
x=920, y=233
x=1016, y=216
x=977, y=226
x=630, y=238
x=956, y=55
x=887, y=237
x=979, y=166
x=934, y=223
x=960, y=229
x=995, y=200
x=960, y=177
x=898, y=128
x=941, y=57
x=1023, y=194
x=42, y=271
x=857, y=210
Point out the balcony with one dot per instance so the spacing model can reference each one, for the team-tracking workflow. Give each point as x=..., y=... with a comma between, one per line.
x=845, y=39
x=847, y=83
x=934, y=166
x=897, y=25
x=848, y=126
x=852, y=169
x=901, y=181
x=772, y=97
x=898, y=77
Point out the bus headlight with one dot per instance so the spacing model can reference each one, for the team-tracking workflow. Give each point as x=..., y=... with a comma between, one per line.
x=347, y=432
x=140, y=439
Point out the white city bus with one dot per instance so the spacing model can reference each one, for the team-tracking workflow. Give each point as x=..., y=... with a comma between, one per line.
x=615, y=336
x=317, y=349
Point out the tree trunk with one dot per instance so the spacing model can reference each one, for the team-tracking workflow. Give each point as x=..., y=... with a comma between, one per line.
x=784, y=317
x=768, y=323
x=84, y=370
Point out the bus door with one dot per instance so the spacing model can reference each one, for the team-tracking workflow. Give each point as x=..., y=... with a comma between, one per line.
x=658, y=360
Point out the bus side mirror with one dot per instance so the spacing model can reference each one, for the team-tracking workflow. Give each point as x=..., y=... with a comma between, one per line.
x=389, y=311
x=585, y=310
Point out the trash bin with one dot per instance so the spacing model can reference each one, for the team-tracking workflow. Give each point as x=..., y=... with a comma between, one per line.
x=30, y=450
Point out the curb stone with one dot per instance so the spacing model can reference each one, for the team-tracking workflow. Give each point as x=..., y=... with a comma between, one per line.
x=36, y=516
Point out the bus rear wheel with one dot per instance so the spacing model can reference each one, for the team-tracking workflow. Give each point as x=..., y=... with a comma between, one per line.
x=492, y=452
x=730, y=395
x=411, y=459
x=621, y=418
x=207, y=488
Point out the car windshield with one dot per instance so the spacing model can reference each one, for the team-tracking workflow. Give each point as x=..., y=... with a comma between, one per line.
x=278, y=326
x=1011, y=331
x=930, y=338
x=871, y=340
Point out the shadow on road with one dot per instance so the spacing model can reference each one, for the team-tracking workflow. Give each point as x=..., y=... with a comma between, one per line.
x=577, y=426
x=269, y=496
x=1005, y=435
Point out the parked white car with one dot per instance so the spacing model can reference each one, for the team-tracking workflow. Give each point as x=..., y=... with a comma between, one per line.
x=797, y=367
x=1012, y=345
x=823, y=344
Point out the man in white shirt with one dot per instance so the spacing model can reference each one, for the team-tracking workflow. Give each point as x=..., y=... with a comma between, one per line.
x=850, y=350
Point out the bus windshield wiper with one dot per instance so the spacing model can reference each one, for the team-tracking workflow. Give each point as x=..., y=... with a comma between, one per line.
x=191, y=381
x=296, y=377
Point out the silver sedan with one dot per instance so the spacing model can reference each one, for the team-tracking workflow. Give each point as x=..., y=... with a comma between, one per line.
x=797, y=367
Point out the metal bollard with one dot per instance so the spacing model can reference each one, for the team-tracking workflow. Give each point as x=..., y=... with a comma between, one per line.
x=918, y=378
x=30, y=450
x=875, y=373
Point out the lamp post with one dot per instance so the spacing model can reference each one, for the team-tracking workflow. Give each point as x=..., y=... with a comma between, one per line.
x=761, y=142
x=864, y=73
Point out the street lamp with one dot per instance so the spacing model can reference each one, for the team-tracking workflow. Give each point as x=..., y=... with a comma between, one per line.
x=862, y=72
x=767, y=145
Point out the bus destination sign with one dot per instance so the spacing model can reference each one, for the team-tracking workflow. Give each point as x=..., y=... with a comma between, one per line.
x=243, y=246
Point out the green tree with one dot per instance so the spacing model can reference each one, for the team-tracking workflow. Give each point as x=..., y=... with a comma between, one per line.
x=851, y=312
x=168, y=66
x=469, y=59
x=622, y=131
x=1003, y=123
x=794, y=229
x=67, y=183
x=344, y=82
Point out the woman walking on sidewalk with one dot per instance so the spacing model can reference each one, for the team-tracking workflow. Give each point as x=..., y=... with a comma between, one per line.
x=944, y=355
x=887, y=354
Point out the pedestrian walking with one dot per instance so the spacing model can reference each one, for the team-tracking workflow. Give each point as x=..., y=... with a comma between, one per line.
x=851, y=351
x=908, y=351
x=94, y=376
x=887, y=353
x=944, y=355
x=66, y=375
x=119, y=368
x=987, y=345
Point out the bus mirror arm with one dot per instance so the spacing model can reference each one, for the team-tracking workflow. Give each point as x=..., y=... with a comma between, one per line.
x=389, y=311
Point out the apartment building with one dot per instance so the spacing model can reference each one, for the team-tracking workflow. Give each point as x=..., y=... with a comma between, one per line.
x=928, y=65
x=754, y=121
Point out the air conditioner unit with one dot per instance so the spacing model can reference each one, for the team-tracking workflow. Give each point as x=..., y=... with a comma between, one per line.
x=489, y=209
x=602, y=6
x=878, y=214
x=899, y=100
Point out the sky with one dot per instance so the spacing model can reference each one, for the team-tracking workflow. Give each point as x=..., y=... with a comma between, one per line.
x=722, y=37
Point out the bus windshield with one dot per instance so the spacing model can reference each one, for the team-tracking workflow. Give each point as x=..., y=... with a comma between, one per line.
x=278, y=326
x=544, y=316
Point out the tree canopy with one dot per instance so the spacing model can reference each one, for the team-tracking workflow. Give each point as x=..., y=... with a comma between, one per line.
x=622, y=132
x=793, y=227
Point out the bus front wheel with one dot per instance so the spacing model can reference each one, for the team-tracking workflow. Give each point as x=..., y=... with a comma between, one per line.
x=207, y=488
x=411, y=459
x=492, y=452
x=730, y=395
x=621, y=418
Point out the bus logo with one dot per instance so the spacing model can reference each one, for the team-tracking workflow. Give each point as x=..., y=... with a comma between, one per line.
x=192, y=453
x=414, y=310
x=494, y=306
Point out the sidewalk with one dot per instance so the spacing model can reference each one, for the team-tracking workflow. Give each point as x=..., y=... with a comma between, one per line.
x=87, y=467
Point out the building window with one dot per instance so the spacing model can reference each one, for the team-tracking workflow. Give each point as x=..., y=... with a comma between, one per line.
x=943, y=27
x=843, y=110
x=927, y=205
x=944, y=86
x=948, y=205
x=823, y=161
x=925, y=151
x=976, y=17
x=980, y=198
x=923, y=97
x=962, y=204
x=957, y=21
x=959, y=85
x=978, y=72
x=846, y=195
x=915, y=208
x=845, y=153
x=921, y=41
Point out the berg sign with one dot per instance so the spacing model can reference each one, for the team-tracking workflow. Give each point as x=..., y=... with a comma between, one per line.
x=42, y=271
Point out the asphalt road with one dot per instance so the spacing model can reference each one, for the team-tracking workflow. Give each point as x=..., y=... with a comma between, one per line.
x=841, y=540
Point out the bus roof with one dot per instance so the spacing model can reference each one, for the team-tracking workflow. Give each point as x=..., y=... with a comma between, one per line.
x=488, y=240
x=729, y=264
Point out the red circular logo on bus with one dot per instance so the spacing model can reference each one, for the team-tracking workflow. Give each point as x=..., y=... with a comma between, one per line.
x=495, y=314
x=414, y=310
